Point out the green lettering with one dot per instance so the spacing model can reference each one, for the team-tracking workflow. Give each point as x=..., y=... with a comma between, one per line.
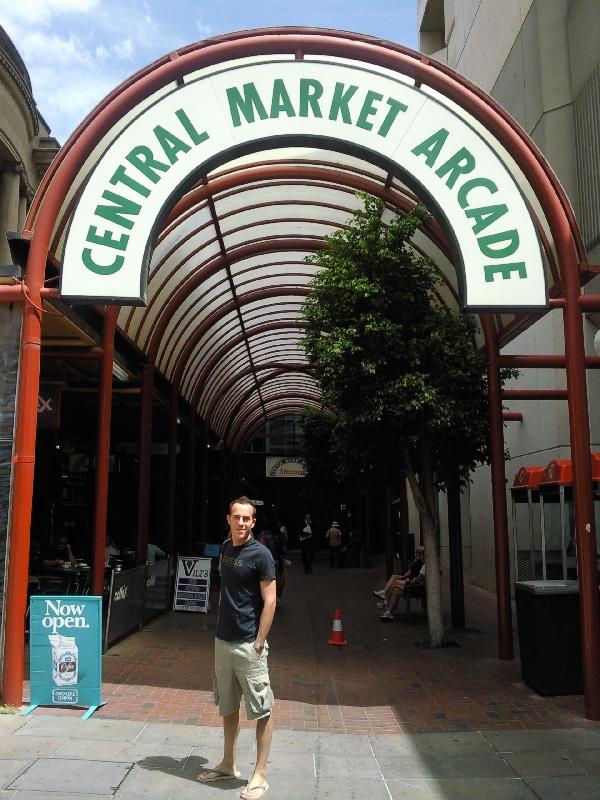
x=339, y=102
x=195, y=137
x=246, y=104
x=486, y=216
x=510, y=237
x=462, y=161
x=121, y=176
x=473, y=183
x=106, y=238
x=170, y=143
x=490, y=270
x=395, y=108
x=367, y=110
x=115, y=213
x=310, y=94
x=99, y=269
x=142, y=158
x=280, y=100
x=431, y=147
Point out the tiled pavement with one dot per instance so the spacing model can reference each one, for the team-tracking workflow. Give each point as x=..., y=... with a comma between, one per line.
x=381, y=683
x=466, y=727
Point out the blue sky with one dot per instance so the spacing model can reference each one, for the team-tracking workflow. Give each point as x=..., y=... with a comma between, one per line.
x=76, y=51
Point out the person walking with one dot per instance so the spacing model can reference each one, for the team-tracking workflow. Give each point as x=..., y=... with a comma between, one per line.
x=307, y=544
x=246, y=611
x=334, y=538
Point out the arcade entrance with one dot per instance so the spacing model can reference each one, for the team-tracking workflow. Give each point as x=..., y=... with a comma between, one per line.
x=181, y=212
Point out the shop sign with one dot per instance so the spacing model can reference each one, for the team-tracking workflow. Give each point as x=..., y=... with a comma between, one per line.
x=48, y=410
x=192, y=584
x=125, y=604
x=253, y=103
x=158, y=584
x=65, y=650
x=285, y=467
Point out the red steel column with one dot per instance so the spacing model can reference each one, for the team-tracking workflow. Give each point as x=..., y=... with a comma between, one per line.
x=174, y=409
x=103, y=448
x=22, y=484
x=204, y=483
x=191, y=489
x=504, y=610
x=585, y=528
x=141, y=548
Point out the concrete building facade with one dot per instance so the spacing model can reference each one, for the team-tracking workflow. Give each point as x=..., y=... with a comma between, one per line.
x=540, y=59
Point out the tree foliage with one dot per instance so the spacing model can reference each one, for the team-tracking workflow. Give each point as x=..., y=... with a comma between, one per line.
x=396, y=364
x=397, y=367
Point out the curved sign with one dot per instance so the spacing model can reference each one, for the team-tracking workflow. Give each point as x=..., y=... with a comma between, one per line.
x=221, y=113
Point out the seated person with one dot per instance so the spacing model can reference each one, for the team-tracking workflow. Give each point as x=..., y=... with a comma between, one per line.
x=59, y=554
x=154, y=553
x=399, y=590
x=110, y=551
x=399, y=581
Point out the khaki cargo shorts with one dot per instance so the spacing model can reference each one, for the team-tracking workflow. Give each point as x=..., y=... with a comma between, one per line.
x=240, y=670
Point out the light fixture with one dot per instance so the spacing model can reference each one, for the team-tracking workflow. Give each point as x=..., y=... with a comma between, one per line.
x=119, y=373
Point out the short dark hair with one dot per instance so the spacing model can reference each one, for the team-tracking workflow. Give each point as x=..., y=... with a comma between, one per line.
x=243, y=501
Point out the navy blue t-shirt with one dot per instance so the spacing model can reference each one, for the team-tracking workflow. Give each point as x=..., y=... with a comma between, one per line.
x=242, y=570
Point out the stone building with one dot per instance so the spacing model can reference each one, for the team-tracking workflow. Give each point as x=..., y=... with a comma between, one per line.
x=540, y=59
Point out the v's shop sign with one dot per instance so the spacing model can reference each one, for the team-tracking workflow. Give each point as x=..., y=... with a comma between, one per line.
x=221, y=112
x=192, y=584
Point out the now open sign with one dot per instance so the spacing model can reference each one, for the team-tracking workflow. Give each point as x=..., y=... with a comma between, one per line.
x=65, y=650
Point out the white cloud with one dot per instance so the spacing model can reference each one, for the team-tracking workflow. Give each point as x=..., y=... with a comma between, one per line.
x=203, y=29
x=40, y=12
x=124, y=49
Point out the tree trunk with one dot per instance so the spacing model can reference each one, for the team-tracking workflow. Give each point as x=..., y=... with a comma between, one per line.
x=423, y=492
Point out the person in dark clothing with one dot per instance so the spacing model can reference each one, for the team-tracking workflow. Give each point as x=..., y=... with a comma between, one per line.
x=307, y=544
x=246, y=610
x=399, y=581
x=59, y=554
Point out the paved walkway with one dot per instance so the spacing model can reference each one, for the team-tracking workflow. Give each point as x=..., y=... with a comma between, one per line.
x=479, y=731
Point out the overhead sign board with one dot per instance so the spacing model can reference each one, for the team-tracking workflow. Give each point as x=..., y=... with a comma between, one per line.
x=287, y=467
x=239, y=107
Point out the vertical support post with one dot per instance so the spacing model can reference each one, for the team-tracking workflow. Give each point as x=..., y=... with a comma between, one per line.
x=141, y=548
x=403, y=522
x=457, y=589
x=204, y=483
x=389, y=530
x=23, y=475
x=173, y=412
x=191, y=492
x=103, y=448
x=503, y=606
x=585, y=528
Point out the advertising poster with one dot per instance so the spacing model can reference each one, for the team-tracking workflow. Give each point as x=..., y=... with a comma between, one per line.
x=192, y=585
x=66, y=650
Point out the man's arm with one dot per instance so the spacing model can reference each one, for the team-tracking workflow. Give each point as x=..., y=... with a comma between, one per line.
x=267, y=590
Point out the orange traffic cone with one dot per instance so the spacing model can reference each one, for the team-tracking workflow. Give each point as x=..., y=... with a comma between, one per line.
x=337, y=634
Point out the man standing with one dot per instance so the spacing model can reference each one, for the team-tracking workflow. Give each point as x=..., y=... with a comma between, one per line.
x=246, y=610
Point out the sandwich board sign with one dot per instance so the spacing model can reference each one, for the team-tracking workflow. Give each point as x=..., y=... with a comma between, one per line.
x=65, y=651
x=192, y=584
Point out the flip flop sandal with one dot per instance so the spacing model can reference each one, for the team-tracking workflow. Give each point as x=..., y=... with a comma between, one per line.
x=214, y=775
x=255, y=793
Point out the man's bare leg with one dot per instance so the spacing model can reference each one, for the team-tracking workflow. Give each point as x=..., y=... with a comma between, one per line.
x=231, y=730
x=264, y=734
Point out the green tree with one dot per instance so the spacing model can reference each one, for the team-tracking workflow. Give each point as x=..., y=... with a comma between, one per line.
x=398, y=368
